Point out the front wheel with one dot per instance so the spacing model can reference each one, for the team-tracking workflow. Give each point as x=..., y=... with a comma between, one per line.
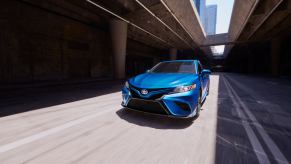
x=208, y=88
x=198, y=107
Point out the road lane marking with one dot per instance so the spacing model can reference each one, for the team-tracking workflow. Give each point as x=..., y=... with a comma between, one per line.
x=239, y=146
x=278, y=155
x=32, y=138
x=258, y=148
x=279, y=116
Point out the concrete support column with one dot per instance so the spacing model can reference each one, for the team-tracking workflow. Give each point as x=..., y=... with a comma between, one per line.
x=173, y=53
x=275, y=56
x=118, y=30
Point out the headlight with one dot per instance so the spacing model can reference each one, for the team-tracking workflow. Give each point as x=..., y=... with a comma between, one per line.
x=185, y=88
x=126, y=84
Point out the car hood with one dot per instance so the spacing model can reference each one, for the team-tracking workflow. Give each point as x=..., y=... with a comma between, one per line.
x=162, y=80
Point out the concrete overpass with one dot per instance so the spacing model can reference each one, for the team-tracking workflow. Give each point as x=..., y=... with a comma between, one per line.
x=156, y=26
x=264, y=25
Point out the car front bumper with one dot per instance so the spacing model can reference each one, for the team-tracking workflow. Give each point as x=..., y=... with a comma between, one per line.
x=174, y=104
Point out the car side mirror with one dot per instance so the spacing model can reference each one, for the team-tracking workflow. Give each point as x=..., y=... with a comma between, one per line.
x=205, y=72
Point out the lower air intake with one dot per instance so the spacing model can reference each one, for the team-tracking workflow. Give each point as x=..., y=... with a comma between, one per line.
x=147, y=106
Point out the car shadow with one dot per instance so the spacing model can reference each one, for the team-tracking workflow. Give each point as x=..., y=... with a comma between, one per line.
x=154, y=121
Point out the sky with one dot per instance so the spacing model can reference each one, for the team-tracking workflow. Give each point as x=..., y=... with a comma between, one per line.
x=224, y=10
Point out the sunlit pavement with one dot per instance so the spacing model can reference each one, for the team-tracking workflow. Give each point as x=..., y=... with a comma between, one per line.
x=244, y=120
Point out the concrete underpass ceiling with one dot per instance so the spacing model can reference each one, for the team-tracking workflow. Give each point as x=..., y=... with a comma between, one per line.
x=259, y=20
x=157, y=18
x=176, y=24
x=146, y=21
x=270, y=19
x=168, y=24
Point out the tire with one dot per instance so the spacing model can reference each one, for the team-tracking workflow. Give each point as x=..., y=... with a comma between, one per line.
x=208, y=88
x=199, y=104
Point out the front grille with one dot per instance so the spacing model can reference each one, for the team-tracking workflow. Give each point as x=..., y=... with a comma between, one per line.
x=147, y=106
x=152, y=93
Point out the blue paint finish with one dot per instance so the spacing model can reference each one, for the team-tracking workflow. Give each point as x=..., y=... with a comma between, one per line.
x=189, y=98
x=162, y=80
x=160, y=88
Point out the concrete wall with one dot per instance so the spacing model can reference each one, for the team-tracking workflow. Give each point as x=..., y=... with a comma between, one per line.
x=285, y=58
x=141, y=57
x=38, y=44
x=258, y=58
x=249, y=58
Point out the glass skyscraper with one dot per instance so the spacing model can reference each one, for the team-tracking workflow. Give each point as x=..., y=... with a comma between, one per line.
x=208, y=16
x=201, y=7
x=197, y=4
x=210, y=19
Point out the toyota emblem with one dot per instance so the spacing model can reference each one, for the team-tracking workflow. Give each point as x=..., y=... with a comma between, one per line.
x=144, y=91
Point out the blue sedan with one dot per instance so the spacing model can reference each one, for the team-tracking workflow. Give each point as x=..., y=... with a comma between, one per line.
x=173, y=88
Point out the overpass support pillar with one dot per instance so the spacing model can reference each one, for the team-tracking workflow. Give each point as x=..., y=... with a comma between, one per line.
x=173, y=53
x=118, y=30
x=275, y=56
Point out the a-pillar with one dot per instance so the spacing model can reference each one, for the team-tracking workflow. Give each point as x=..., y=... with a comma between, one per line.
x=275, y=56
x=118, y=30
x=173, y=53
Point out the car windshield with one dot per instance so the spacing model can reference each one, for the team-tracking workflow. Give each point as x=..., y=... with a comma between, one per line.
x=174, y=67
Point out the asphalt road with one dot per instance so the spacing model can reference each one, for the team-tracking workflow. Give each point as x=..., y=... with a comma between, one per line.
x=245, y=119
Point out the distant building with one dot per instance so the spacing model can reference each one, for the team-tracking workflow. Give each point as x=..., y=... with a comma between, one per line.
x=208, y=16
x=201, y=9
x=210, y=19
x=197, y=4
